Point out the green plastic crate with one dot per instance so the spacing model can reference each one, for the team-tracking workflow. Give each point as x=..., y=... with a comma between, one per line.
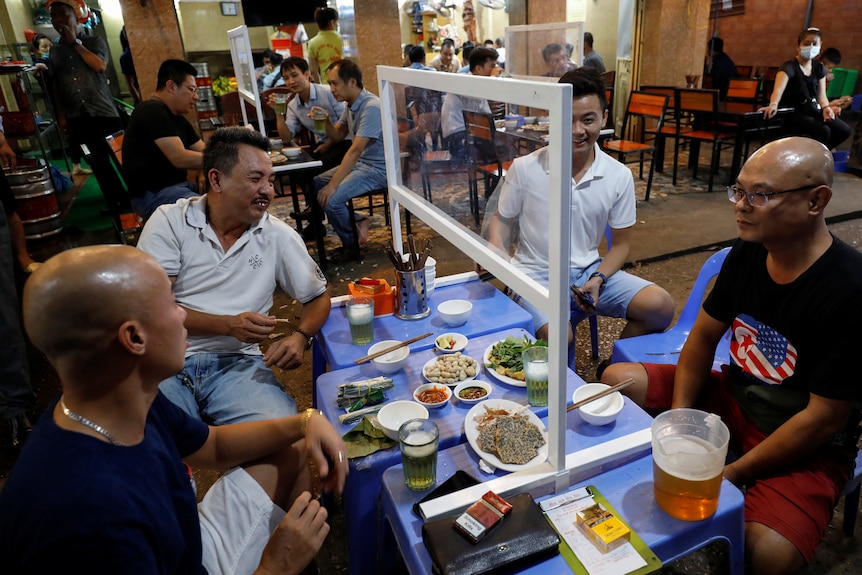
x=843, y=84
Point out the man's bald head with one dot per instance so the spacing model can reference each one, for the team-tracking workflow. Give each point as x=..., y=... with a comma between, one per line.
x=794, y=162
x=76, y=301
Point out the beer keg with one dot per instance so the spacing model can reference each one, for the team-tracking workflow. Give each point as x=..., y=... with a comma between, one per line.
x=37, y=201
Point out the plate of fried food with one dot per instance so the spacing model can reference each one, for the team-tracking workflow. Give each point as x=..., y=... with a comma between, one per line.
x=277, y=158
x=503, y=359
x=506, y=434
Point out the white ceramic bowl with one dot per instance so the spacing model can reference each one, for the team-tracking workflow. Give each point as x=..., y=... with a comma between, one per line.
x=455, y=312
x=543, y=120
x=457, y=342
x=392, y=415
x=392, y=361
x=602, y=411
x=292, y=152
x=529, y=119
x=427, y=386
x=510, y=124
x=472, y=383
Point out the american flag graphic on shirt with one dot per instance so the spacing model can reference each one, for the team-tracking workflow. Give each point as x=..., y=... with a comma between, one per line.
x=761, y=351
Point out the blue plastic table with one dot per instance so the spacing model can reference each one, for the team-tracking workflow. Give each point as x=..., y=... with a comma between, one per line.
x=492, y=312
x=628, y=488
x=362, y=490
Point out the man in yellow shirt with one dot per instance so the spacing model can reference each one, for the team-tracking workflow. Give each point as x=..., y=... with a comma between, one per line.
x=326, y=47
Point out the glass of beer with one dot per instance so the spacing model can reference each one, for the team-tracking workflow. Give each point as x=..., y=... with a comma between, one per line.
x=360, y=316
x=689, y=448
x=319, y=116
x=280, y=103
x=535, y=361
x=418, y=439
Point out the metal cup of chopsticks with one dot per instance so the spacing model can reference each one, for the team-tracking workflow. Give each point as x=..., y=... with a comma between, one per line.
x=411, y=300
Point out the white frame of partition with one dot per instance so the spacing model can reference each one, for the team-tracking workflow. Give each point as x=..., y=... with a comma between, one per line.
x=554, y=301
x=243, y=65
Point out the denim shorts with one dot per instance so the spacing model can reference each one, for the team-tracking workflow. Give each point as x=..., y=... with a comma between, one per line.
x=222, y=388
x=613, y=300
x=237, y=518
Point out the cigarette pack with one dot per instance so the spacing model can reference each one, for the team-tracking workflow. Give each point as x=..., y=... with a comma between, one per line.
x=482, y=516
x=601, y=527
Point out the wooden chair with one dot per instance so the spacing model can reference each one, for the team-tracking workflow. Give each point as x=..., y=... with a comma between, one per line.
x=232, y=111
x=482, y=156
x=643, y=109
x=744, y=71
x=743, y=90
x=702, y=106
x=670, y=128
x=767, y=83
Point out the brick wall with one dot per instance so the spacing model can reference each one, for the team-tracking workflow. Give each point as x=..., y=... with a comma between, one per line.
x=766, y=34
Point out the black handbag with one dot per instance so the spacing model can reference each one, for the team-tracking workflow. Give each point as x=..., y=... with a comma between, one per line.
x=523, y=538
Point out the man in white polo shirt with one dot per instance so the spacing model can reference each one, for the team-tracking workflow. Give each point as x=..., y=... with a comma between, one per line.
x=226, y=256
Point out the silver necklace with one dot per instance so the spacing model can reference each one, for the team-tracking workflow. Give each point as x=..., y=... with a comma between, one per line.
x=94, y=426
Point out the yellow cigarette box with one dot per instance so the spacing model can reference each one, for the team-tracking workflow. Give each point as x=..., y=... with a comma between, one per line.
x=601, y=527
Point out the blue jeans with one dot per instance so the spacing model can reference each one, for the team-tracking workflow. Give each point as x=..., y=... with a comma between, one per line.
x=222, y=388
x=361, y=179
x=16, y=395
x=145, y=205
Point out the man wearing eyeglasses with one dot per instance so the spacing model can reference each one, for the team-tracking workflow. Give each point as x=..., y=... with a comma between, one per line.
x=161, y=145
x=790, y=293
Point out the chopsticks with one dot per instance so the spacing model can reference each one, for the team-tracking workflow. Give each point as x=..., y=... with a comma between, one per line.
x=393, y=348
x=616, y=387
x=416, y=259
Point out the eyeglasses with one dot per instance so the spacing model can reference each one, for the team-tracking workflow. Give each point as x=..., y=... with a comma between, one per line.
x=760, y=199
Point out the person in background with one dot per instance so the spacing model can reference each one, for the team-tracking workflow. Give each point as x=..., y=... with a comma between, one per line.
x=603, y=195
x=719, y=66
x=405, y=55
x=801, y=84
x=42, y=51
x=364, y=166
x=160, y=144
x=305, y=95
x=784, y=394
x=446, y=61
x=488, y=44
x=127, y=66
x=500, y=46
x=557, y=61
x=592, y=59
x=830, y=58
x=102, y=486
x=265, y=70
x=226, y=256
x=16, y=393
x=482, y=63
x=85, y=106
x=274, y=79
x=466, y=49
x=417, y=59
x=326, y=47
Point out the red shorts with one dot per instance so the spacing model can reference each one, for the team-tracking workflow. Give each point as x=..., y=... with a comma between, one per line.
x=796, y=502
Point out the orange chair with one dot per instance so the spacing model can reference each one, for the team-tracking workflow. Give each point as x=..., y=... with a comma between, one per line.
x=702, y=107
x=743, y=90
x=648, y=111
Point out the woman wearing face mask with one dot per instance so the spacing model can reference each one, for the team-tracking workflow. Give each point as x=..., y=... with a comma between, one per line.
x=801, y=85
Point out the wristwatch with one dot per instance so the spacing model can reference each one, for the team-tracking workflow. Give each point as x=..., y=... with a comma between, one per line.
x=78, y=42
x=309, y=338
x=602, y=276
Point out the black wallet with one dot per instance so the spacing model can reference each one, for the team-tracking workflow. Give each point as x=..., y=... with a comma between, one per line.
x=523, y=538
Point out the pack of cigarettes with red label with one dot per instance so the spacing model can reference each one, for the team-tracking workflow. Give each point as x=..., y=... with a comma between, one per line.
x=482, y=516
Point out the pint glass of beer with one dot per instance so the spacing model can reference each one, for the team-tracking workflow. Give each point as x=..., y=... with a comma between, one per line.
x=689, y=448
x=418, y=439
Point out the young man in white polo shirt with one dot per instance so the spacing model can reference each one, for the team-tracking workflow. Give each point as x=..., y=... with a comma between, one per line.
x=602, y=194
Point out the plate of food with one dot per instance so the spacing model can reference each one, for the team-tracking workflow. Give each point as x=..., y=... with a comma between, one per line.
x=506, y=435
x=277, y=158
x=450, y=369
x=503, y=359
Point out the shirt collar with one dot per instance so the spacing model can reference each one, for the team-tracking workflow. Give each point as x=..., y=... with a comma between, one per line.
x=196, y=215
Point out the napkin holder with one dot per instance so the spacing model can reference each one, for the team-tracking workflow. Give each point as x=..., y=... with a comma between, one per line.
x=523, y=538
x=384, y=299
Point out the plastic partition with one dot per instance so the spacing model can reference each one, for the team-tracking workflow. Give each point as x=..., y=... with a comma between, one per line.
x=524, y=45
x=243, y=65
x=554, y=301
